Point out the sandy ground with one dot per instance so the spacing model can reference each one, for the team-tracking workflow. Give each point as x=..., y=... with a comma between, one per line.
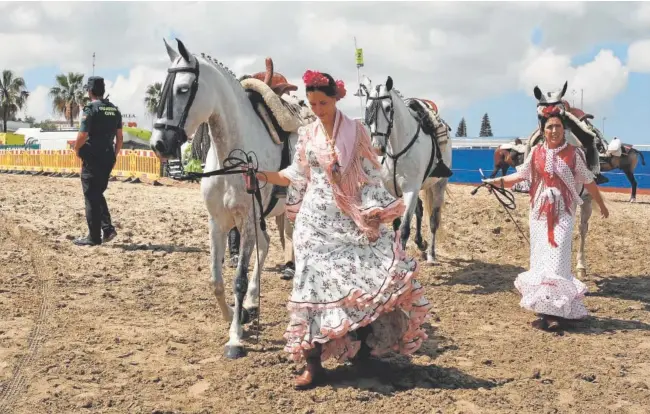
x=132, y=326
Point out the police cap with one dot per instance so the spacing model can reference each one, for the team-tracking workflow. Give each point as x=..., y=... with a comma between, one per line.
x=95, y=83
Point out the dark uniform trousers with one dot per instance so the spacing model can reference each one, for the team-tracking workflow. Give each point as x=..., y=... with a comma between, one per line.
x=95, y=172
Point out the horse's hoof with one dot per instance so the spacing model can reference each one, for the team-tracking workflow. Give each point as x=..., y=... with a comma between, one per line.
x=234, y=352
x=432, y=261
x=422, y=246
x=632, y=200
x=249, y=315
x=423, y=255
x=582, y=273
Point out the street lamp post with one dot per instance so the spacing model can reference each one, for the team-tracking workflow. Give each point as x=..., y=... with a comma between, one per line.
x=573, y=99
x=582, y=99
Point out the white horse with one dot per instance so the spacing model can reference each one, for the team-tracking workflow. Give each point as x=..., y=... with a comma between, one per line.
x=579, y=135
x=198, y=90
x=409, y=157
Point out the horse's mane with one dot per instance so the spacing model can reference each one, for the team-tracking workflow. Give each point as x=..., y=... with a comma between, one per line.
x=221, y=67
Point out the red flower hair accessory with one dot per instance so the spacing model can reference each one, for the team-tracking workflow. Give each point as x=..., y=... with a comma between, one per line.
x=314, y=78
x=340, y=90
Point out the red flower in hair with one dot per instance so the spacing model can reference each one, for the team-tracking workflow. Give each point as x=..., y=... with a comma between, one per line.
x=340, y=90
x=551, y=110
x=314, y=78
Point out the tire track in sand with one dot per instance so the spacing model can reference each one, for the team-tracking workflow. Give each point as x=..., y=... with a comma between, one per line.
x=30, y=242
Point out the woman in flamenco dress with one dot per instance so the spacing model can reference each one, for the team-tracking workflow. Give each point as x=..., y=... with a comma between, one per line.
x=556, y=171
x=354, y=292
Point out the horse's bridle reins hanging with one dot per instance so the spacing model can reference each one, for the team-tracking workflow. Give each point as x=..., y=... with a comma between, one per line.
x=167, y=101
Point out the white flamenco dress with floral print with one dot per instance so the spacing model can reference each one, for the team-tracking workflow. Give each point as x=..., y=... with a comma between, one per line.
x=350, y=270
x=556, y=177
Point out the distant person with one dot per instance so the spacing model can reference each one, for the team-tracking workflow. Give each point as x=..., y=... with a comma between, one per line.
x=614, y=148
x=101, y=124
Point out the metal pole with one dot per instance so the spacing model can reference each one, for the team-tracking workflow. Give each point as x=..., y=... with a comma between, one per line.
x=604, y=118
x=582, y=99
x=93, y=63
x=359, y=80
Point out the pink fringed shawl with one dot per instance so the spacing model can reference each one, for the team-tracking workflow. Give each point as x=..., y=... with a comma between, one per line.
x=352, y=145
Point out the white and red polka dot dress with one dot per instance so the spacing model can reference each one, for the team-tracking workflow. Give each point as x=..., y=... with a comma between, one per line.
x=556, y=177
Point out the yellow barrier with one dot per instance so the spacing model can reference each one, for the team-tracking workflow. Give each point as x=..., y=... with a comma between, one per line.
x=130, y=163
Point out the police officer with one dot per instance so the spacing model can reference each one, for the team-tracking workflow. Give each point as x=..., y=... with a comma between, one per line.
x=101, y=123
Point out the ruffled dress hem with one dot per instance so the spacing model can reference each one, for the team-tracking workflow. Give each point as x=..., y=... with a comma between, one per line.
x=337, y=343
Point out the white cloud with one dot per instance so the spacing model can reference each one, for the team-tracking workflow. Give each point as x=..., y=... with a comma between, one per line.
x=39, y=104
x=451, y=52
x=128, y=92
x=600, y=80
x=638, y=56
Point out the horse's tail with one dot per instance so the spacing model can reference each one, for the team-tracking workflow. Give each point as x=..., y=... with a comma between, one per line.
x=641, y=154
x=427, y=201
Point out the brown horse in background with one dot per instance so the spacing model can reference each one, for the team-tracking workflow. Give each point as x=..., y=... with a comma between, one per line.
x=505, y=158
x=626, y=162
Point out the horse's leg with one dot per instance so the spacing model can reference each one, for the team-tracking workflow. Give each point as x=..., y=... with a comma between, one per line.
x=234, y=347
x=280, y=223
x=217, y=252
x=585, y=214
x=630, y=176
x=422, y=245
x=252, y=300
x=437, y=196
x=497, y=167
x=410, y=199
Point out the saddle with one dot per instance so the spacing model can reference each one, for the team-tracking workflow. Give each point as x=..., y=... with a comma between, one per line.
x=265, y=90
x=426, y=112
x=280, y=118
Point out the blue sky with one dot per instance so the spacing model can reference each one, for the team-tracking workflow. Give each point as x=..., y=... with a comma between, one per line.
x=513, y=114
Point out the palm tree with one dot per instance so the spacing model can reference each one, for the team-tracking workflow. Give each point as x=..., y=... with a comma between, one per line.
x=13, y=95
x=152, y=97
x=68, y=96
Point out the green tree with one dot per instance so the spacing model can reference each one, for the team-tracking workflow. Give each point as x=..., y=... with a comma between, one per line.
x=68, y=96
x=461, y=131
x=486, y=128
x=152, y=97
x=13, y=95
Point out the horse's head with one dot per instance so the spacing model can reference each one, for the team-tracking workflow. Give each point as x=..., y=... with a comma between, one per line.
x=550, y=98
x=578, y=128
x=184, y=103
x=380, y=112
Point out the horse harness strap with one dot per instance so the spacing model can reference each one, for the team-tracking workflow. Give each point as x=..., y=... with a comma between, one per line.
x=167, y=101
x=398, y=155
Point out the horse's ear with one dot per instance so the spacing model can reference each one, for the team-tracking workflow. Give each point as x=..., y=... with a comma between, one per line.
x=366, y=82
x=173, y=55
x=566, y=85
x=389, y=84
x=538, y=93
x=183, y=51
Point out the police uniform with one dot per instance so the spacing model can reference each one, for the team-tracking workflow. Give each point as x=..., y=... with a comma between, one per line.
x=101, y=120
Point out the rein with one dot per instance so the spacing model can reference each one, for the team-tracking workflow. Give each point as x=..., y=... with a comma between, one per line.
x=507, y=205
x=247, y=165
